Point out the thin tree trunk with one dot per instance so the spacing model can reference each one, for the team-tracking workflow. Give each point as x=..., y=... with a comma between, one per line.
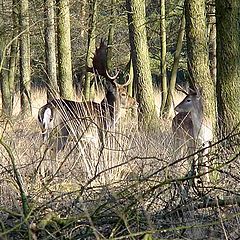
x=163, y=58
x=5, y=87
x=64, y=50
x=50, y=50
x=83, y=5
x=111, y=35
x=91, y=48
x=141, y=63
x=25, y=69
x=13, y=55
x=177, y=56
x=131, y=75
x=212, y=40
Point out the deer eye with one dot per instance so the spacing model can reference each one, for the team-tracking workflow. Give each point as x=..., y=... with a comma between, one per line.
x=188, y=100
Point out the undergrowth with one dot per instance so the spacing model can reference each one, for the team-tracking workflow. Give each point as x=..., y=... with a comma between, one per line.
x=137, y=187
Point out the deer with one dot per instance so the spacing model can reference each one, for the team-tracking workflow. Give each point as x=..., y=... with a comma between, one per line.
x=190, y=124
x=87, y=120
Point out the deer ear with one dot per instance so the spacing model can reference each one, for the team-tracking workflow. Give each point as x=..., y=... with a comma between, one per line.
x=199, y=91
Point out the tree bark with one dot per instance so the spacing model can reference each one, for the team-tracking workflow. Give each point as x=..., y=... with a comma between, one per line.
x=140, y=60
x=228, y=65
x=198, y=57
x=212, y=40
x=64, y=50
x=177, y=56
x=111, y=35
x=163, y=58
x=5, y=86
x=50, y=50
x=25, y=69
x=91, y=48
x=12, y=59
x=82, y=19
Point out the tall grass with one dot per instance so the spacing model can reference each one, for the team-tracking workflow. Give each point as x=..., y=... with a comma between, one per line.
x=136, y=187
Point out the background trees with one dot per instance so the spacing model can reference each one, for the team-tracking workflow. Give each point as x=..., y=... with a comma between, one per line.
x=139, y=185
x=74, y=48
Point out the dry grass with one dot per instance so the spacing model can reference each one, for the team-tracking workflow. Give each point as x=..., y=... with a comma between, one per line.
x=136, y=187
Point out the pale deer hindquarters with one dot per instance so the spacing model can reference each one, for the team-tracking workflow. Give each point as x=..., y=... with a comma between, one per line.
x=69, y=118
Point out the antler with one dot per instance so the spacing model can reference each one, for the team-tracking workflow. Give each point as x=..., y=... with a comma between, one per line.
x=181, y=89
x=129, y=80
x=100, y=63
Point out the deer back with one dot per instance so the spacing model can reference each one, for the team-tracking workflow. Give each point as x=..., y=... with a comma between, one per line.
x=65, y=117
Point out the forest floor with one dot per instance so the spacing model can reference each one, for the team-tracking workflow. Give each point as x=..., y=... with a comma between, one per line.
x=137, y=187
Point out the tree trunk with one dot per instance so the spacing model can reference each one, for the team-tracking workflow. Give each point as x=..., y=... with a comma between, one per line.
x=140, y=60
x=177, y=56
x=25, y=69
x=211, y=31
x=5, y=86
x=50, y=50
x=13, y=56
x=110, y=35
x=64, y=50
x=228, y=64
x=82, y=19
x=91, y=49
x=163, y=58
x=198, y=58
x=130, y=86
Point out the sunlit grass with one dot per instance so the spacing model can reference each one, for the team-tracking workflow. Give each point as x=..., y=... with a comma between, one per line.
x=135, y=185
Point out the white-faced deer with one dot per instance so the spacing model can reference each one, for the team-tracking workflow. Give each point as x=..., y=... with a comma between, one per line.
x=85, y=121
x=190, y=125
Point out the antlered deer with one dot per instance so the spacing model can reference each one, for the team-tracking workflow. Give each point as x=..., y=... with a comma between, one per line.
x=190, y=125
x=85, y=121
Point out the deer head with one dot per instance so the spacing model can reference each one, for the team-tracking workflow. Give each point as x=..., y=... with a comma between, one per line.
x=116, y=94
x=192, y=102
x=100, y=63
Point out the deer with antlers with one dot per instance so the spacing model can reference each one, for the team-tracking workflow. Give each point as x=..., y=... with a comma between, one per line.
x=86, y=121
x=189, y=126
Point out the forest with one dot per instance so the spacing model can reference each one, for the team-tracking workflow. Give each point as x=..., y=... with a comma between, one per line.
x=119, y=119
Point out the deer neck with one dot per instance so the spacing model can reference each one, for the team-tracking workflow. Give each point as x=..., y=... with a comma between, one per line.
x=111, y=105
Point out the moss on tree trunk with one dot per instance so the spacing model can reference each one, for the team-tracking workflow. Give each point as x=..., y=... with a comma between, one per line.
x=228, y=64
x=140, y=60
x=50, y=50
x=25, y=69
x=198, y=55
x=64, y=50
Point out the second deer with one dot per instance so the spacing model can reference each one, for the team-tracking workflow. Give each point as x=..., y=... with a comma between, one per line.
x=190, y=125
